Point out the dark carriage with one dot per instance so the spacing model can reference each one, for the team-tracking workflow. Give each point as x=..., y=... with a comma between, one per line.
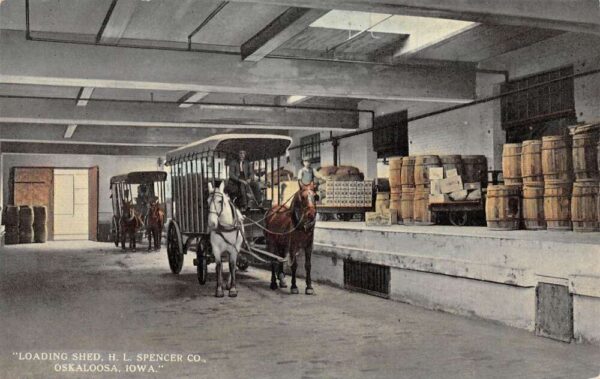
x=147, y=184
x=196, y=165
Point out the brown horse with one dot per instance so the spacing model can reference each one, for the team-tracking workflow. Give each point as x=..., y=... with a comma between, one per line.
x=154, y=224
x=130, y=223
x=288, y=231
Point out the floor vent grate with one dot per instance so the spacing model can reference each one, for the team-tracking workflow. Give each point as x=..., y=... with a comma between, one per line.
x=367, y=277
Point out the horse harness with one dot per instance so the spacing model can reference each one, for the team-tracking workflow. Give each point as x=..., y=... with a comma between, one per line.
x=237, y=223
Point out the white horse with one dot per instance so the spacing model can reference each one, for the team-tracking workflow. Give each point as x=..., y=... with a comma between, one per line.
x=226, y=234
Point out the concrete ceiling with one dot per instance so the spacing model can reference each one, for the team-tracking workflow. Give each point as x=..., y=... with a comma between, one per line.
x=246, y=53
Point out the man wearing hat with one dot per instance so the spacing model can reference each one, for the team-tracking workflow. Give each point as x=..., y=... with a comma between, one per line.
x=242, y=177
x=306, y=175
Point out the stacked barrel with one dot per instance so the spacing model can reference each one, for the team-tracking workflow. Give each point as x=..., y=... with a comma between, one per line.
x=503, y=204
x=40, y=230
x=557, y=168
x=533, y=185
x=407, y=182
x=396, y=186
x=11, y=223
x=421, y=212
x=25, y=224
x=585, y=209
x=551, y=199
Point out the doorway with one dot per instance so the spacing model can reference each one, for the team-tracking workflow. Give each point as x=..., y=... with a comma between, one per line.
x=71, y=204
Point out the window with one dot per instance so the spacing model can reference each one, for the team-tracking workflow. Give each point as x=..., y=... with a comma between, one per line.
x=538, y=103
x=311, y=147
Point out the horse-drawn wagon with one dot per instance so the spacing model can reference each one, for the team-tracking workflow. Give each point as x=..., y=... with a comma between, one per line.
x=201, y=167
x=150, y=189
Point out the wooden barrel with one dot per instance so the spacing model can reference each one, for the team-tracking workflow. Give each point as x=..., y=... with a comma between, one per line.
x=475, y=169
x=406, y=204
x=382, y=202
x=11, y=216
x=584, y=213
x=25, y=216
x=407, y=172
x=395, y=172
x=421, y=212
x=585, y=151
x=511, y=164
x=533, y=206
x=396, y=202
x=557, y=158
x=450, y=162
x=503, y=207
x=39, y=215
x=557, y=204
x=531, y=162
x=422, y=165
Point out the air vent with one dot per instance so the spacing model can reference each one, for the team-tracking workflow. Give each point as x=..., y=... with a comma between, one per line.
x=367, y=277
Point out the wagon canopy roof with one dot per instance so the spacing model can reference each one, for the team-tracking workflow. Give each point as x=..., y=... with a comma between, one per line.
x=257, y=146
x=139, y=177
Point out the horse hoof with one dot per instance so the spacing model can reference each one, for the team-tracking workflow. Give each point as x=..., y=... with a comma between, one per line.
x=232, y=292
x=219, y=293
x=282, y=284
x=273, y=286
x=309, y=291
x=294, y=291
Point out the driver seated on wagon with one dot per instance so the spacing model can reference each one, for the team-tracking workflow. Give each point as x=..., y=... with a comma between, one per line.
x=243, y=184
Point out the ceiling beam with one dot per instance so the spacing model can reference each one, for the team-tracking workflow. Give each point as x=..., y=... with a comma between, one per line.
x=116, y=21
x=289, y=24
x=109, y=135
x=132, y=113
x=575, y=15
x=84, y=149
x=69, y=64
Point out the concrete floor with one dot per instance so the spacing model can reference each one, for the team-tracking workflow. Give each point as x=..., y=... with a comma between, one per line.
x=91, y=297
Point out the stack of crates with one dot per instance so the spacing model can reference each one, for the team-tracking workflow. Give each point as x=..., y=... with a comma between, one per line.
x=348, y=194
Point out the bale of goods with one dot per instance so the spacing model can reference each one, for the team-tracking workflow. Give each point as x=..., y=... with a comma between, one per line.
x=382, y=202
x=452, y=162
x=25, y=215
x=407, y=172
x=396, y=202
x=11, y=235
x=503, y=207
x=395, y=172
x=475, y=169
x=25, y=234
x=421, y=213
x=406, y=204
x=585, y=151
x=533, y=206
x=531, y=162
x=11, y=216
x=584, y=213
x=511, y=164
x=40, y=215
x=347, y=170
x=557, y=158
x=327, y=170
x=422, y=165
x=40, y=233
x=557, y=204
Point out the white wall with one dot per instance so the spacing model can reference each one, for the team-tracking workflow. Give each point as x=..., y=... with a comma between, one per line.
x=108, y=166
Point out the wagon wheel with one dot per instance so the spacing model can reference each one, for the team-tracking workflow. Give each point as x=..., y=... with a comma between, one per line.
x=242, y=263
x=458, y=218
x=174, y=248
x=114, y=231
x=202, y=252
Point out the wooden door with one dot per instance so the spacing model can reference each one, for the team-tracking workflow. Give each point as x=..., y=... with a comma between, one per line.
x=93, y=189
